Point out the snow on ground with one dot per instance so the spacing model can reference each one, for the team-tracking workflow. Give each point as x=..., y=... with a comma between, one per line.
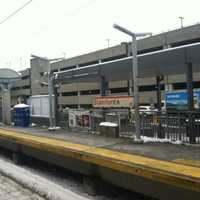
x=146, y=139
x=36, y=183
x=10, y=190
x=64, y=182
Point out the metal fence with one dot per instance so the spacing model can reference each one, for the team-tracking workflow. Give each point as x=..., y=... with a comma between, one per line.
x=117, y=116
x=176, y=126
x=0, y=114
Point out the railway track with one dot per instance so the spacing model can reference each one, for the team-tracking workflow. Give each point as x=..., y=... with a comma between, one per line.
x=38, y=180
x=10, y=190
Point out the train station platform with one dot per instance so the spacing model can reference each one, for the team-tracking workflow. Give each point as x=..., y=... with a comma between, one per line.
x=160, y=170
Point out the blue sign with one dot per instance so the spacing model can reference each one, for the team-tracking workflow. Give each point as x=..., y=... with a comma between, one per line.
x=178, y=100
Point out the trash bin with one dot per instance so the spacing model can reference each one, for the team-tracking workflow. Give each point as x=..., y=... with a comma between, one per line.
x=109, y=129
x=21, y=115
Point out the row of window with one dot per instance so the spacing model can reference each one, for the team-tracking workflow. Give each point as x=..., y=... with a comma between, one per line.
x=90, y=63
x=23, y=87
x=145, y=88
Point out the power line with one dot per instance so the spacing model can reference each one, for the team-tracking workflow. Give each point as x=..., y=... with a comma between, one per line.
x=15, y=12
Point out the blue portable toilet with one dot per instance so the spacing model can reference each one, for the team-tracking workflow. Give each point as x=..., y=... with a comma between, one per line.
x=21, y=115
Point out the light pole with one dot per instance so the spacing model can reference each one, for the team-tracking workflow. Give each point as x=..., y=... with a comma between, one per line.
x=108, y=42
x=181, y=18
x=134, y=74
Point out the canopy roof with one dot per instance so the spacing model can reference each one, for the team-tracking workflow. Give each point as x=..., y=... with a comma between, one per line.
x=8, y=75
x=164, y=62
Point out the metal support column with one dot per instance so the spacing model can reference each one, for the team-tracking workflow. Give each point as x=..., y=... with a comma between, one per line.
x=135, y=87
x=104, y=86
x=129, y=86
x=134, y=74
x=189, y=77
x=104, y=92
x=160, y=133
x=78, y=93
x=191, y=117
x=55, y=102
x=158, y=91
x=51, y=100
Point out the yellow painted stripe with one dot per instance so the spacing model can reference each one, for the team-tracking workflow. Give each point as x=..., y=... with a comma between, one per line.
x=187, y=177
x=195, y=163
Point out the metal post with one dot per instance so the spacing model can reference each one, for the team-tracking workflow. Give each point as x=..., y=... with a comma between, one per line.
x=189, y=77
x=78, y=93
x=190, y=129
x=135, y=86
x=160, y=133
x=55, y=92
x=130, y=91
x=158, y=91
x=51, y=102
x=135, y=74
x=104, y=86
x=104, y=89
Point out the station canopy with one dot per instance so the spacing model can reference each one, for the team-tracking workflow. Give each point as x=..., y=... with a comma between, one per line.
x=170, y=61
x=8, y=76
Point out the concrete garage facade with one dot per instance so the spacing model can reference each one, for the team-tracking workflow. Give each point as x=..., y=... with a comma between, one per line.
x=74, y=94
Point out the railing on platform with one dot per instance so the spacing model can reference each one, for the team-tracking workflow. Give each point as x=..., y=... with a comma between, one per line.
x=173, y=125
x=176, y=126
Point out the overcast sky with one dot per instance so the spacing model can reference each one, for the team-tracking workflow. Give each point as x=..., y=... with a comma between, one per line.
x=57, y=28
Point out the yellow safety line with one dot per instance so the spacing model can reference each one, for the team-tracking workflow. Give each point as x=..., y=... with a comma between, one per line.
x=183, y=176
x=195, y=163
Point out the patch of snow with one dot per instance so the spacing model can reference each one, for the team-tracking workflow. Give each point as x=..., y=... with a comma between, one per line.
x=159, y=140
x=33, y=125
x=21, y=105
x=109, y=124
x=57, y=128
x=54, y=128
x=37, y=184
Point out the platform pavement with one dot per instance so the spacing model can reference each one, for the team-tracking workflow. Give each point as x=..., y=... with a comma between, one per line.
x=183, y=154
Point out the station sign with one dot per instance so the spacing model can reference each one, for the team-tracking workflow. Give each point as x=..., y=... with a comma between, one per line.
x=113, y=102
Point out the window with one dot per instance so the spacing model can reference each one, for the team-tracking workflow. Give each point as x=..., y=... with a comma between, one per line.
x=119, y=90
x=149, y=88
x=65, y=94
x=89, y=92
x=67, y=68
x=55, y=70
x=89, y=63
x=16, y=88
x=26, y=87
x=179, y=86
